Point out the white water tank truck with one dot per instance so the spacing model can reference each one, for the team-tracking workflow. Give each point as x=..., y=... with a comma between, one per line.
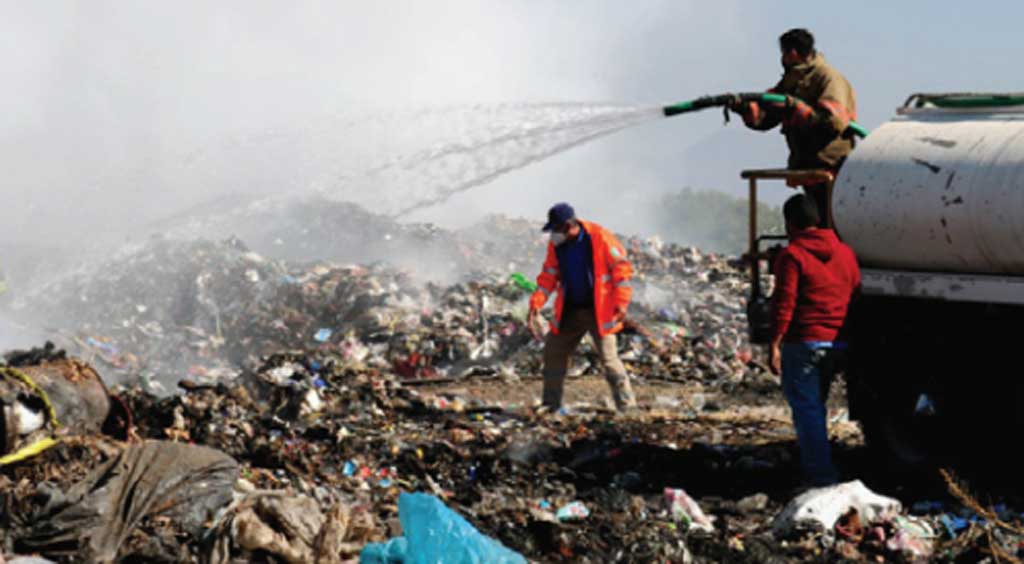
x=932, y=203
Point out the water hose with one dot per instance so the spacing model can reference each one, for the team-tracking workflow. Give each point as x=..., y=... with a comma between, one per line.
x=965, y=100
x=722, y=100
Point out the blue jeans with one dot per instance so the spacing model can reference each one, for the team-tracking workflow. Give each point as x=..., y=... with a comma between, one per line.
x=807, y=371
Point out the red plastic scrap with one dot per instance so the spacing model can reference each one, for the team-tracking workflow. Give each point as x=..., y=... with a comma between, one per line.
x=414, y=366
x=850, y=527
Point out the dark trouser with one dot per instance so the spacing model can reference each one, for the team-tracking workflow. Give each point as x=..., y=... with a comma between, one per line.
x=807, y=372
x=819, y=193
x=558, y=348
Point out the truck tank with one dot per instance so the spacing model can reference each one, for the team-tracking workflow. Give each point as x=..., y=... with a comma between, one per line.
x=937, y=190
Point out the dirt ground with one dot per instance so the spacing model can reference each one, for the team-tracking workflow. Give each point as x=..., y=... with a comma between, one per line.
x=760, y=404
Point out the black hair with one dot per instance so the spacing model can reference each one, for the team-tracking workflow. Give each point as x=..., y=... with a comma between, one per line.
x=799, y=40
x=801, y=212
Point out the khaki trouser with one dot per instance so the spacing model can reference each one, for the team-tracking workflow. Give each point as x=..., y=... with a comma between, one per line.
x=558, y=348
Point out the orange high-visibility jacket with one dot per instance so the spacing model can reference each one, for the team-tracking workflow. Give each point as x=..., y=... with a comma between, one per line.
x=612, y=272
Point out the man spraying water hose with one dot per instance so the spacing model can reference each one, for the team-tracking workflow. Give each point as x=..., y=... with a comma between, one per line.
x=815, y=123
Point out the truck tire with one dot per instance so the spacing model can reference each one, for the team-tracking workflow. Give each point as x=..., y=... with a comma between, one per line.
x=898, y=444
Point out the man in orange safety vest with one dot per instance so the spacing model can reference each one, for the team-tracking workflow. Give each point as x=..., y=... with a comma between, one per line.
x=586, y=265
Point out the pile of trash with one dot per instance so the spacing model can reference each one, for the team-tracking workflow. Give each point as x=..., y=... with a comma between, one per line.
x=201, y=309
x=311, y=457
x=292, y=457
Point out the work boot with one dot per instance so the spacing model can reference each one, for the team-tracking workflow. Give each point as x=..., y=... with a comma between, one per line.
x=554, y=388
x=622, y=393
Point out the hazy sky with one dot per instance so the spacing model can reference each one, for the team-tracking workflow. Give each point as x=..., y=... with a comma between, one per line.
x=107, y=107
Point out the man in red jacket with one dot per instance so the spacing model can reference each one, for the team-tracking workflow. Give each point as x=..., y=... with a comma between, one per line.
x=815, y=278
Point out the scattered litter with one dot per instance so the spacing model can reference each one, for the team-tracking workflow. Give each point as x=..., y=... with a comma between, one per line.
x=913, y=538
x=756, y=502
x=821, y=508
x=292, y=528
x=574, y=511
x=323, y=335
x=684, y=509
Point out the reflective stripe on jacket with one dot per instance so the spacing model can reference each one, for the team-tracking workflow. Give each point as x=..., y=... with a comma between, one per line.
x=612, y=273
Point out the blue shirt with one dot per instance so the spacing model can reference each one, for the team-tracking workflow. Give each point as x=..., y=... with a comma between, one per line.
x=576, y=266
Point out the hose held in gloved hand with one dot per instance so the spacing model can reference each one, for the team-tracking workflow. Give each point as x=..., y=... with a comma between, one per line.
x=797, y=108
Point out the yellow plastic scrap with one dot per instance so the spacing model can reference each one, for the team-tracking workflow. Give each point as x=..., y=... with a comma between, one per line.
x=44, y=443
x=28, y=451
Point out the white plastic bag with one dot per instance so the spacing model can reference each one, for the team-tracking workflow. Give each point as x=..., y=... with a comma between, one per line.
x=820, y=508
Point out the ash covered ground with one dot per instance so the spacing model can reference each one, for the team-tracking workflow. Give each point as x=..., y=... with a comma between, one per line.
x=279, y=377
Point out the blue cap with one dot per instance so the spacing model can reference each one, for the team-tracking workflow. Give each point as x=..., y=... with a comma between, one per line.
x=558, y=215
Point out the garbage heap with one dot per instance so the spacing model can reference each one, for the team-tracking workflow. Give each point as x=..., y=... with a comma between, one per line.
x=305, y=457
x=201, y=309
x=302, y=456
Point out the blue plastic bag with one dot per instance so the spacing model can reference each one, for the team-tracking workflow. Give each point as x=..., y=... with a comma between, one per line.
x=391, y=552
x=435, y=534
x=323, y=335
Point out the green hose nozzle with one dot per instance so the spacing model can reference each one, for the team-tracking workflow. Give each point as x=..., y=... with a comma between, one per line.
x=676, y=109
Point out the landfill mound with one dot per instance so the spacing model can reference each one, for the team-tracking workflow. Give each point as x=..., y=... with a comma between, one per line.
x=201, y=309
x=315, y=228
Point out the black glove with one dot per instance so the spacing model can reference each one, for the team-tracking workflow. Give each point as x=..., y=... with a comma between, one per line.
x=737, y=105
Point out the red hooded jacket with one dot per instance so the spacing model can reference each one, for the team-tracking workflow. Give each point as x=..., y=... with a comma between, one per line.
x=815, y=277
